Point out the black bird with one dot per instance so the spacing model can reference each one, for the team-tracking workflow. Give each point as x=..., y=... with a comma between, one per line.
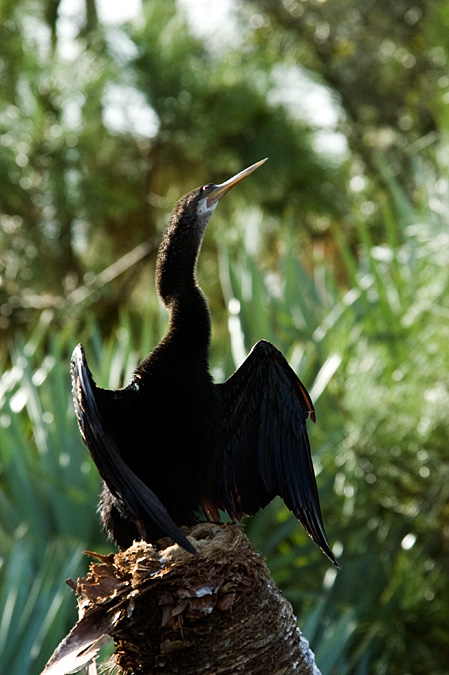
x=172, y=442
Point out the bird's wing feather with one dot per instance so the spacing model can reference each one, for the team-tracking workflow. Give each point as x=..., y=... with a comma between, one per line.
x=266, y=449
x=133, y=495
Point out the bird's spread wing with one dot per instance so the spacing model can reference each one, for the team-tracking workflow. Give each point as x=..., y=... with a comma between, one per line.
x=134, y=497
x=266, y=449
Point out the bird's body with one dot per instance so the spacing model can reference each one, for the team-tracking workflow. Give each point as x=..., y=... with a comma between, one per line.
x=174, y=460
x=172, y=442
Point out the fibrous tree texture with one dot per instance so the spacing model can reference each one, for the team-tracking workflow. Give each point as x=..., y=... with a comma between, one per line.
x=169, y=611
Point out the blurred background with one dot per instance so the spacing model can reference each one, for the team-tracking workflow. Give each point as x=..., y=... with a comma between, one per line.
x=336, y=251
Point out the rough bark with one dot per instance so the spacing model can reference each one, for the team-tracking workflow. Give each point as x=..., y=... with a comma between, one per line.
x=217, y=612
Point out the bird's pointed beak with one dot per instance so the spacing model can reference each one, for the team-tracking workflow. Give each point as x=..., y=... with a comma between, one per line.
x=217, y=191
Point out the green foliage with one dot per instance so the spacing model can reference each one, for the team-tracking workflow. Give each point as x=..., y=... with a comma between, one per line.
x=48, y=499
x=36, y=607
x=372, y=57
x=101, y=131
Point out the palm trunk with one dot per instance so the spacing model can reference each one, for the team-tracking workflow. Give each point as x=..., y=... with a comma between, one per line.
x=217, y=612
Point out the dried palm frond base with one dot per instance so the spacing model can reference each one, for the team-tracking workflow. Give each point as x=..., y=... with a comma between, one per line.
x=217, y=612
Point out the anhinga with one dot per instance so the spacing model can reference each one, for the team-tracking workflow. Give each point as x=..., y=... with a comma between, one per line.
x=172, y=442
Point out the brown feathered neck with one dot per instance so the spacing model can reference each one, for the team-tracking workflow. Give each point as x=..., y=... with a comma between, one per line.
x=180, y=248
x=176, y=283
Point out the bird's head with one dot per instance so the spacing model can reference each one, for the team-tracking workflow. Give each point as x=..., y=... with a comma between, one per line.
x=211, y=194
x=196, y=207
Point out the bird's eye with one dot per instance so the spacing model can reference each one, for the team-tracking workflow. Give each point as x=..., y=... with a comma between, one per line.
x=208, y=187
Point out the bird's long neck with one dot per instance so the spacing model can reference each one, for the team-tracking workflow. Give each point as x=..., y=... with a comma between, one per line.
x=189, y=326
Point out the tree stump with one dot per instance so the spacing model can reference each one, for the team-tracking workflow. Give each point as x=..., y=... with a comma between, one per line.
x=217, y=612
